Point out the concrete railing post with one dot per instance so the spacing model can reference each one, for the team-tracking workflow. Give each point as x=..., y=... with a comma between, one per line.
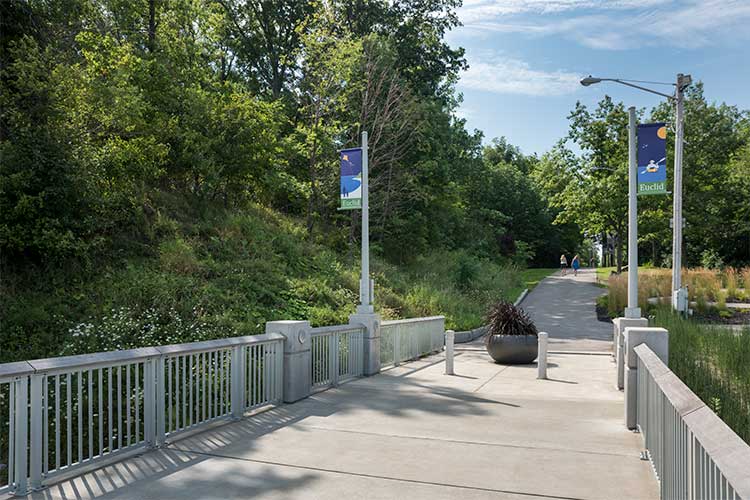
x=542, y=356
x=657, y=339
x=297, y=362
x=371, y=340
x=618, y=344
x=450, y=336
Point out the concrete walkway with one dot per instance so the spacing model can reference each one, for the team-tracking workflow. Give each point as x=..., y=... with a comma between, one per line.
x=565, y=307
x=490, y=431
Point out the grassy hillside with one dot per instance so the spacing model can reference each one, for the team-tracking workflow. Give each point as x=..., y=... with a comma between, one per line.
x=213, y=273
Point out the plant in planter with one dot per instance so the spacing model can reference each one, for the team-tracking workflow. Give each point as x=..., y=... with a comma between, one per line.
x=511, y=335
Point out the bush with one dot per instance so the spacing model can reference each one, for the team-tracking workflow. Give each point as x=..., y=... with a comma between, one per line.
x=503, y=318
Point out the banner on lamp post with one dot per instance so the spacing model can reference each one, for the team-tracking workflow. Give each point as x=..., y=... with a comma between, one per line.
x=652, y=158
x=351, y=179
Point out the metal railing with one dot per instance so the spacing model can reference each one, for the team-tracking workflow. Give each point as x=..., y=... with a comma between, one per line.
x=62, y=414
x=694, y=454
x=337, y=355
x=406, y=339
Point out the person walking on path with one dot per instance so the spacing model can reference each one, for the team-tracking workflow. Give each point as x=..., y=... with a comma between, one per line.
x=563, y=264
x=576, y=264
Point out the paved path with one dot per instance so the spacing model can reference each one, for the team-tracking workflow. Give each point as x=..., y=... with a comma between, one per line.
x=489, y=432
x=565, y=307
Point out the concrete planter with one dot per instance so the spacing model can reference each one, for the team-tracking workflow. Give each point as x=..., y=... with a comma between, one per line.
x=513, y=349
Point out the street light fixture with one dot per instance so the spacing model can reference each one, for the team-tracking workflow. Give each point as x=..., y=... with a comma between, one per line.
x=679, y=294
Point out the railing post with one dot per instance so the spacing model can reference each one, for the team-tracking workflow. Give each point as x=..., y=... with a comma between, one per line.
x=238, y=381
x=439, y=339
x=297, y=373
x=542, y=356
x=36, y=433
x=618, y=344
x=657, y=339
x=449, y=338
x=333, y=353
x=397, y=345
x=279, y=366
x=21, y=434
x=160, y=395
x=149, y=403
x=371, y=340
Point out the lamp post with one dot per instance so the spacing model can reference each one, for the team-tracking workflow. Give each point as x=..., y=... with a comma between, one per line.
x=679, y=294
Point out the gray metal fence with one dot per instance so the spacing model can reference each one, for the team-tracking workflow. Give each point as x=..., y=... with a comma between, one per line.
x=694, y=454
x=405, y=339
x=63, y=414
x=60, y=416
x=337, y=354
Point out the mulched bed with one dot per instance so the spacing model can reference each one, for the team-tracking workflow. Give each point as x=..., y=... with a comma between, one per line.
x=602, y=314
x=738, y=318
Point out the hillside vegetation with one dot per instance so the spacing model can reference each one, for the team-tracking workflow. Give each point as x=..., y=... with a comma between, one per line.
x=225, y=273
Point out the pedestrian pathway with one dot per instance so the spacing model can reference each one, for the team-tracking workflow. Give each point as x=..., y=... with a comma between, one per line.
x=565, y=308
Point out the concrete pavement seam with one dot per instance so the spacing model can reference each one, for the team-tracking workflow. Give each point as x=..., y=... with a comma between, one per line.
x=462, y=441
x=492, y=378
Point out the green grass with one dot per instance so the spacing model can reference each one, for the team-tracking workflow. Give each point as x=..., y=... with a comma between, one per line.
x=532, y=277
x=602, y=273
x=712, y=361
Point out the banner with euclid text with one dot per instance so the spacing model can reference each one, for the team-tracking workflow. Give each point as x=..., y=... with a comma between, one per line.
x=652, y=158
x=351, y=178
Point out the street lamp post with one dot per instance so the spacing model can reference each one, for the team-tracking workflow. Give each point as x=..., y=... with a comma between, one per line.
x=679, y=294
x=632, y=311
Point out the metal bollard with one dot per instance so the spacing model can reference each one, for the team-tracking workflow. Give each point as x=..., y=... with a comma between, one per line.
x=542, y=359
x=450, y=336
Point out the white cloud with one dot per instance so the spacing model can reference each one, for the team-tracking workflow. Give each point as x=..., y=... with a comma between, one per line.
x=480, y=10
x=593, y=23
x=512, y=76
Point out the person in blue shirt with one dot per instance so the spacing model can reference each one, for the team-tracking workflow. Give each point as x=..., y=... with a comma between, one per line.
x=576, y=264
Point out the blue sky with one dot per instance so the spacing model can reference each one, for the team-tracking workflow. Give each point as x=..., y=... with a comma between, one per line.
x=527, y=56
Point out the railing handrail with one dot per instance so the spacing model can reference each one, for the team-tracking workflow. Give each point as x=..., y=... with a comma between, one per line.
x=727, y=450
x=15, y=369
x=106, y=358
x=410, y=320
x=324, y=330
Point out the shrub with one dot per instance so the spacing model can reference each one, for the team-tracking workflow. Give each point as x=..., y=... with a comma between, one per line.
x=503, y=318
x=711, y=259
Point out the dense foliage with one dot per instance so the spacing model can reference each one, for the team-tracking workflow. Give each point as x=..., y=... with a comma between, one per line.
x=169, y=171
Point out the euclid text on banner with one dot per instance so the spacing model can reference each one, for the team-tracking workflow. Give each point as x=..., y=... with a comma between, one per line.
x=351, y=179
x=652, y=158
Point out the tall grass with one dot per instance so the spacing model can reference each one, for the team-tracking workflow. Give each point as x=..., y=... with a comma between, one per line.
x=731, y=282
x=713, y=362
x=704, y=286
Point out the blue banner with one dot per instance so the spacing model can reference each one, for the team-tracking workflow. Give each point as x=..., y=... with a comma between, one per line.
x=351, y=178
x=652, y=158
